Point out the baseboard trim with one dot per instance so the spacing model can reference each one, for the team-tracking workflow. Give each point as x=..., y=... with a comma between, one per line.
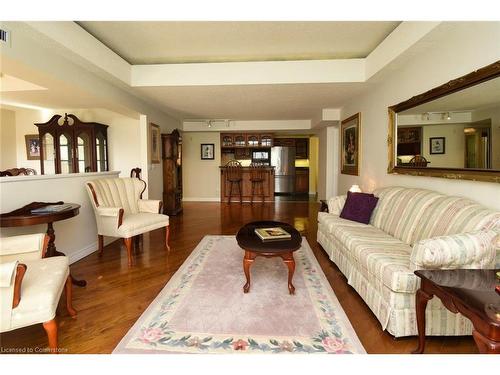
x=82, y=253
x=75, y=256
x=201, y=199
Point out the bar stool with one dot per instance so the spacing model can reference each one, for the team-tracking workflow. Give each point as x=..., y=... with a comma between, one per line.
x=234, y=176
x=257, y=176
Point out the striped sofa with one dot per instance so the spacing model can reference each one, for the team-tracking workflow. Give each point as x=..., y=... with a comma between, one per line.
x=409, y=229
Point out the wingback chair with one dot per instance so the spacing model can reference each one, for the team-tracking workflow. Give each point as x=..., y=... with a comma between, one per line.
x=120, y=211
x=31, y=285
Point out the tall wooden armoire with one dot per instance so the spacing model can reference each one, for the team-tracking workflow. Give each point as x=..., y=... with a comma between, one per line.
x=172, y=172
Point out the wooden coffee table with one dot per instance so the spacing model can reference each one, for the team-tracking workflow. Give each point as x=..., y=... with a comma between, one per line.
x=254, y=247
x=470, y=292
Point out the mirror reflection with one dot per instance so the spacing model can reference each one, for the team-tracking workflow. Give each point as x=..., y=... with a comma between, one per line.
x=460, y=130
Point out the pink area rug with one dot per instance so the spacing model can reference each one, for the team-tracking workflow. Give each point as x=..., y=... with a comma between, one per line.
x=203, y=309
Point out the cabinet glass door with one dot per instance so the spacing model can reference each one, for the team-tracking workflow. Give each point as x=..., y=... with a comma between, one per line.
x=266, y=141
x=83, y=153
x=66, y=153
x=253, y=140
x=239, y=140
x=49, y=154
x=102, y=157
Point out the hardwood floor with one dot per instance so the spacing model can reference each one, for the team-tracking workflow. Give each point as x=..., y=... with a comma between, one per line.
x=116, y=295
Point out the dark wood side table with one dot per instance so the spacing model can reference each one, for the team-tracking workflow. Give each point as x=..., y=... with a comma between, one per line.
x=23, y=217
x=469, y=292
x=324, y=205
x=254, y=247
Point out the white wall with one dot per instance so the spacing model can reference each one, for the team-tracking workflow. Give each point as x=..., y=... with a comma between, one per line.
x=7, y=139
x=478, y=46
x=155, y=171
x=328, y=162
x=313, y=164
x=454, y=145
x=201, y=178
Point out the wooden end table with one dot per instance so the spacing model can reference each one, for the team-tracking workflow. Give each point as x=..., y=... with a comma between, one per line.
x=469, y=292
x=23, y=217
x=254, y=247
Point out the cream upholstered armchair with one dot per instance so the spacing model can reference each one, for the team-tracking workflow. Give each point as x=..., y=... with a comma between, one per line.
x=31, y=285
x=120, y=211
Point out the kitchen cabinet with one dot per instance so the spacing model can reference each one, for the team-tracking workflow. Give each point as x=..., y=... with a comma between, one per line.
x=409, y=140
x=301, y=146
x=301, y=180
x=242, y=153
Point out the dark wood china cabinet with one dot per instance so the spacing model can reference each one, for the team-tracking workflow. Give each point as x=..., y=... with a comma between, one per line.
x=68, y=145
x=172, y=172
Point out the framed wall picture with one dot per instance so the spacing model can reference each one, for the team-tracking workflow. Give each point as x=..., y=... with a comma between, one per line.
x=155, y=143
x=32, y=146
x=437, y=145
x=350, y=135
x=207, y=151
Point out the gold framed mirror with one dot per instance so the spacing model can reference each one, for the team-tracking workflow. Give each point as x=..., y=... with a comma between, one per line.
x=451, y=131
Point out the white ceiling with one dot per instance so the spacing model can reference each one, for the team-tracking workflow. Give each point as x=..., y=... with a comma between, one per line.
x=252, y=102
x=188, y=42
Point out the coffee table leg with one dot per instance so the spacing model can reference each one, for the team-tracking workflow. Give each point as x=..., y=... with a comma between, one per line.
x=290, y=263
x=247, y=262
x=421, y=304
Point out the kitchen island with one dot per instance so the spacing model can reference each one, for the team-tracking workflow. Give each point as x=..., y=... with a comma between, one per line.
x=246, y=186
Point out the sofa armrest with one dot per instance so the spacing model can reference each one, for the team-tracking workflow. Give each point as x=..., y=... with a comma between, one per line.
x=463, y=250
x=111, y=215
x=150, y=205
x=108, y=211
x=336, y=204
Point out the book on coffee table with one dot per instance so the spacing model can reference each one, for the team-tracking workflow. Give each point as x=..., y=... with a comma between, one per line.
x=269, y=234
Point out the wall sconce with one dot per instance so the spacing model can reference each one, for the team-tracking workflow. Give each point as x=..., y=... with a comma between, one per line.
x=448, y=116
x=355, y=189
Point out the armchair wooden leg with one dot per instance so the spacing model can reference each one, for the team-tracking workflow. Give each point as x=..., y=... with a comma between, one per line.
x=128, y=245
x=69, y=297
x=51, y=329
x=167, y=237
x=100, y=241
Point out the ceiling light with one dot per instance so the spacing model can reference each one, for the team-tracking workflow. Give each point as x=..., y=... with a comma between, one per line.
x=448, y=117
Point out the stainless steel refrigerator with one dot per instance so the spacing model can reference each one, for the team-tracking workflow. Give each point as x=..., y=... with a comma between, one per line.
x=283, y=159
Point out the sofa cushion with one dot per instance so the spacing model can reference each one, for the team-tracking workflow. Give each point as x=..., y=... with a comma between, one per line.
x=400, y=209
x=331, y=221
x=359, y=207
x=415, y=214
x=378, y=254
x=142, y=222
x=336, y=204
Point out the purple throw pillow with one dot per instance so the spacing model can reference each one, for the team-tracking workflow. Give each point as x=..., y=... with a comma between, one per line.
x=359, y=207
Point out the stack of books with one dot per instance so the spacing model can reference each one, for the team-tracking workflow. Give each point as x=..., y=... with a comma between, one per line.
x=51, y=208
x=270, y=234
